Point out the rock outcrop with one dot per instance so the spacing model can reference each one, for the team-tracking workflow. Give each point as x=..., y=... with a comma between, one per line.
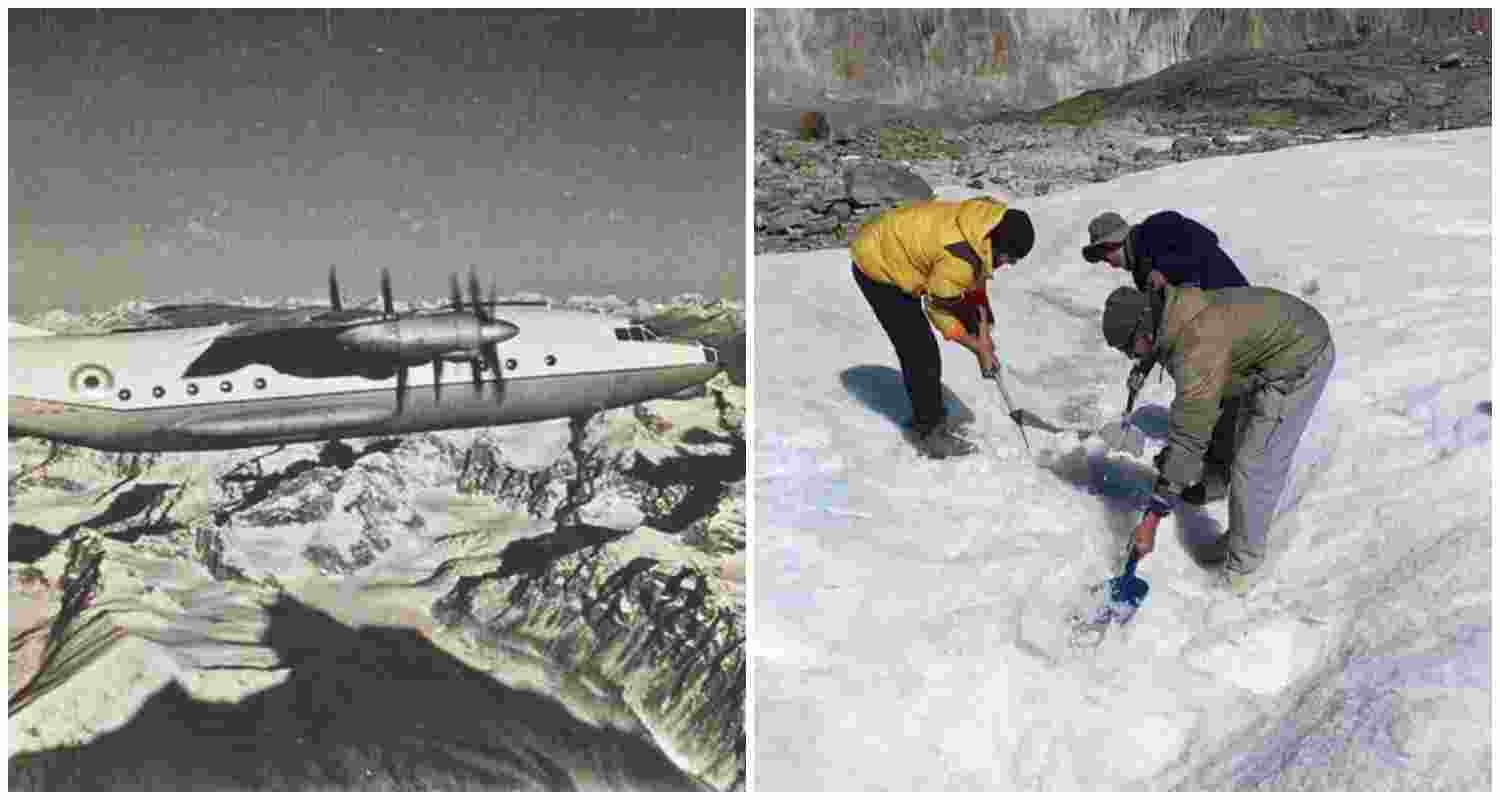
x=1230, y=104
x=972, y=60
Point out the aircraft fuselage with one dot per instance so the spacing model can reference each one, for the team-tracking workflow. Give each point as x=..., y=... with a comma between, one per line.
x=138, y=391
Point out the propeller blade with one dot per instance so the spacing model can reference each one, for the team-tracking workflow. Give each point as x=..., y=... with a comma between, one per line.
x=454, y=293
x=491, y=352
x=401, y=389
x=476, y=368
x=385, y=292
x=333, y=290
x=474, y=296
x=437, y=379
x=492, y=356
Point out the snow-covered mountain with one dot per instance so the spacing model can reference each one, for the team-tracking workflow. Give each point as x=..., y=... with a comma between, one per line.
x=910, y=615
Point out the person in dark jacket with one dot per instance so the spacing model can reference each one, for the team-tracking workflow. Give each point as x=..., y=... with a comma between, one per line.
x=1166, y=248
x=1169, y=249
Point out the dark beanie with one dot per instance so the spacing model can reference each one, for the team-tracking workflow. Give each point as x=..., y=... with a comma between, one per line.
x=1122, y=311
x=1014, y=234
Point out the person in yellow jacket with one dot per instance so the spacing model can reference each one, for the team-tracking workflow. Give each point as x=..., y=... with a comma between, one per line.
x=917, y=265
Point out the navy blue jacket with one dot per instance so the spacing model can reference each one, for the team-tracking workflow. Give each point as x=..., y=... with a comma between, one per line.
x=1181, y=249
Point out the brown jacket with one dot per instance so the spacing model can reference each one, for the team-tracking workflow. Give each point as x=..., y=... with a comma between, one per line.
x=1223, y=344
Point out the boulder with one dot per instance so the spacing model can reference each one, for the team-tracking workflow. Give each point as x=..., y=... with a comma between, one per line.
x=878, y=183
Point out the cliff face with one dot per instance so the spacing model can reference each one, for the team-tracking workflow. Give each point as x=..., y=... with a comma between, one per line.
x=1030, y=58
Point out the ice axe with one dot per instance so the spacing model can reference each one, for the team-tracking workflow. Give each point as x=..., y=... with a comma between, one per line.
x=994, y=374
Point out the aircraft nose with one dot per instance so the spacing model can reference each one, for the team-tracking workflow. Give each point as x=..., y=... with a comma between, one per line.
x=498, y=331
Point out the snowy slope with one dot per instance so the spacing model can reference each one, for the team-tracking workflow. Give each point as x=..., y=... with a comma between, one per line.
x=908, y=624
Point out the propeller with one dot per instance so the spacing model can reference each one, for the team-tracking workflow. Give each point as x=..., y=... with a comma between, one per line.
x=333, y=289
x=489, y=351
x=389, y=305
x=475, y=364
x=401, y=378
x=387, y=338
x=385, y=292
x=456, y=299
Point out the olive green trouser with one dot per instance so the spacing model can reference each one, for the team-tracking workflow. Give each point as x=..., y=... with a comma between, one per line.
x=1268, y=427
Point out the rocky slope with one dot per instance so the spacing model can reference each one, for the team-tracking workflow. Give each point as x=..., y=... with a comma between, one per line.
x=1027, y=58
x=813, y=191
x=594, y=566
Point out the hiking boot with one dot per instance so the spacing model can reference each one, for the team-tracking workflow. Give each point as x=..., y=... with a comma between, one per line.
x=940, y=441
x=1213, y=556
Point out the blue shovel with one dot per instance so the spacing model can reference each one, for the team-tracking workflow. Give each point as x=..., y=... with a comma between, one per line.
x=1117, y=600
x=1127, y=592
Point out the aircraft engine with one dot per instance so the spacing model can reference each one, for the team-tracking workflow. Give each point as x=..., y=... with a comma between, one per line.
x=424, y=338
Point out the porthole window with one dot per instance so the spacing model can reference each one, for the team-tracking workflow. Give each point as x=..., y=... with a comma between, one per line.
x=124, y=394
x=226, y=387
x=260, y=383
x=510, y=363
x=551, y=361
x=192, y=389
x=158, y=392
x=91, y=378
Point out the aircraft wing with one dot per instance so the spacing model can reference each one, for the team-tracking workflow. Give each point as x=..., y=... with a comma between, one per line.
x=249, y=321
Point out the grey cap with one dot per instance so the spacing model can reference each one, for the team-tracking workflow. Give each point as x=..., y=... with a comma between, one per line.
x=1122, y=313
x=1108, y=227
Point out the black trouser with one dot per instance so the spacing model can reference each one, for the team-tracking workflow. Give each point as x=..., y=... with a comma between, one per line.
x=921, y=364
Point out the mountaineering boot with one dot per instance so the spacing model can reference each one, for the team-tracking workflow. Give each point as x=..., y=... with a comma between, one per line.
x=1214, y=555
x=1214, y=486
x=939, y=441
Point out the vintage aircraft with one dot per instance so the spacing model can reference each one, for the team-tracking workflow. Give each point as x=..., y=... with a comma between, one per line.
x=222, y=377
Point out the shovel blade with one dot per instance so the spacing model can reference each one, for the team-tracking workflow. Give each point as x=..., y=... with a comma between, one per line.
x=1116, y=600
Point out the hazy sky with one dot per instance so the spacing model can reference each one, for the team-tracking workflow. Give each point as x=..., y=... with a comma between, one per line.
x=219, y=154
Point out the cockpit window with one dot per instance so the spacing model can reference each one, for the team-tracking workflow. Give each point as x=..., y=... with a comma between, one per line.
x=635, y=333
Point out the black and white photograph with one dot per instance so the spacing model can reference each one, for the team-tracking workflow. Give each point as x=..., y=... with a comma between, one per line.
x=378, y=391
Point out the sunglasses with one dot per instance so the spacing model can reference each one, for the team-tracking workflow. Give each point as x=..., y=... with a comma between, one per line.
x=1095, y=253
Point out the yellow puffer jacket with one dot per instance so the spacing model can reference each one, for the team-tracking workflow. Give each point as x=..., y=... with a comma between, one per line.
x=912, y=248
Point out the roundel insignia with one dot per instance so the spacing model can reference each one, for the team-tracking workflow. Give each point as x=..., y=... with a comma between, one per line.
x=91, y=378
